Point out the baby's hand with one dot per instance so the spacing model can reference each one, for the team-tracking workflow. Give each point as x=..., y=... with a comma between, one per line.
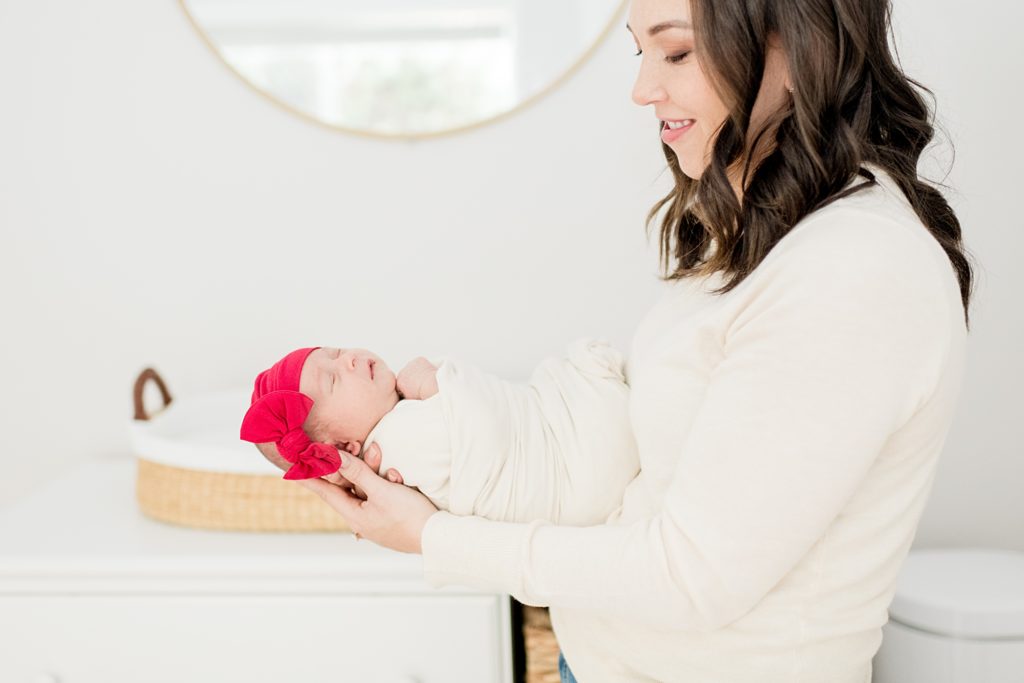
x=418, y=379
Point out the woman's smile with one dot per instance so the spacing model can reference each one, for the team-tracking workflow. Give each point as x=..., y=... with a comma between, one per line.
x=673, y=130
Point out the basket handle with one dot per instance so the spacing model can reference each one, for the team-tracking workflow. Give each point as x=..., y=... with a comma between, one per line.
x=140, y=384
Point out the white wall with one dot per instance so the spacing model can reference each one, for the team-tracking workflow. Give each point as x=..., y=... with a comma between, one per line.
x=155, y=210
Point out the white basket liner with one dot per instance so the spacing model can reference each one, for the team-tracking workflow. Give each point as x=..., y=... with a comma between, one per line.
x=201, y=433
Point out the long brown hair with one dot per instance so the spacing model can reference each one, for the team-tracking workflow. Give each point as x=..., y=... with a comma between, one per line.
x=852, y=104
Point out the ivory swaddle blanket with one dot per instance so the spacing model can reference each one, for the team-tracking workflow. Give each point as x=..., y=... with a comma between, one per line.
x=558, y=447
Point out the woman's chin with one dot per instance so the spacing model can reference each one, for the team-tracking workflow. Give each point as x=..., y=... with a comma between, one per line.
x=690, y=170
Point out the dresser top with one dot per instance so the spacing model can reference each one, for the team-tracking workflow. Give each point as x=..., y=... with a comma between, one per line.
x=86, y=526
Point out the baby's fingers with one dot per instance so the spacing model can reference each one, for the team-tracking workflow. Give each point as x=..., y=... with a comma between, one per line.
x=395, y=476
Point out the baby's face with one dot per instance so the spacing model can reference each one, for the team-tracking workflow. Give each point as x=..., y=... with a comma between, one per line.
x=352, y=390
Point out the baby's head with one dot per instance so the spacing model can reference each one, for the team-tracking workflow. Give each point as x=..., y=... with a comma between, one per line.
x=338, y=394
x=352, y=389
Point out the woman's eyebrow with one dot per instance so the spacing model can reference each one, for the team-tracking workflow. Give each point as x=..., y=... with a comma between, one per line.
x=658, y=28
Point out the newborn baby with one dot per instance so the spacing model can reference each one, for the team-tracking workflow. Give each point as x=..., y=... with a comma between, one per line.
x=558, y=447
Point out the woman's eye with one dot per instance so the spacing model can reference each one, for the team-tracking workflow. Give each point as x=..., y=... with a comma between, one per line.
x=672, y=59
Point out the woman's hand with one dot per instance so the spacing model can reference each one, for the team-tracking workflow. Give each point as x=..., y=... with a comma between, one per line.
x=392, y=515
x=373, y=459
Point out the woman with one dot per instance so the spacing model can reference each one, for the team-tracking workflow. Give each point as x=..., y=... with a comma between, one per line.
x=791, y=391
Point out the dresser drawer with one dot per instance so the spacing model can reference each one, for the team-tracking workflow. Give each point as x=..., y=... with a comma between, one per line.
x=255, y=639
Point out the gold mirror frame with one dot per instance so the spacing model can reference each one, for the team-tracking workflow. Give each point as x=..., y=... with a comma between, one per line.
x=575, y=66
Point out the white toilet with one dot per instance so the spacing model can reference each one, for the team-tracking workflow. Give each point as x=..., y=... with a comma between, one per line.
x=957, y=617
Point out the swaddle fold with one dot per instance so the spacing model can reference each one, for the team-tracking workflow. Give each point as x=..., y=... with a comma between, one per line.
x=558, y=447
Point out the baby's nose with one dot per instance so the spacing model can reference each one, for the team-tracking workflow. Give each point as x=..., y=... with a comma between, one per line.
x=347, y=360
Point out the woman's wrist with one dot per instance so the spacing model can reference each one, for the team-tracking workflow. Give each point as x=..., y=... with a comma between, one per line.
x=424, y=533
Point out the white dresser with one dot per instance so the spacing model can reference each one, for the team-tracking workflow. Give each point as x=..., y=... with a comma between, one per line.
x=92, y=591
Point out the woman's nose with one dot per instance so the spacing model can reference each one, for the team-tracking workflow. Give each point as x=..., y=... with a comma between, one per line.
x=646, y=89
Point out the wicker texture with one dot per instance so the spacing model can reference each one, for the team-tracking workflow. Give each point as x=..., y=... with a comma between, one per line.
x=541, y=646
x=223, y=500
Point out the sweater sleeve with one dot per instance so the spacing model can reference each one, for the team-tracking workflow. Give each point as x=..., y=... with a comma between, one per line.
x=840, y=339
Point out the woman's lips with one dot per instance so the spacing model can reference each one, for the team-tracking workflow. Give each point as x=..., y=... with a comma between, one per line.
x=671, y=134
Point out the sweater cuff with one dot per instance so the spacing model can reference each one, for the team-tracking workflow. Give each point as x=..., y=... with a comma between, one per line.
x=473, y=551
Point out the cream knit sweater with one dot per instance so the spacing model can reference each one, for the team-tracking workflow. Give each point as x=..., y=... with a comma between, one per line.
x=788, y=434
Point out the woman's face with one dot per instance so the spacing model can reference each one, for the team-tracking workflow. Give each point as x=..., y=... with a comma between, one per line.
x=352, y=389
x=673, y=79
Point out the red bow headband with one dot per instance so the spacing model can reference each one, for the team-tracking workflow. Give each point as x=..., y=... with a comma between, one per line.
x=277, y=412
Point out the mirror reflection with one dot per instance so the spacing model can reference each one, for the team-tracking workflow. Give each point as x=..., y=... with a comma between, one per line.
x=403, y=67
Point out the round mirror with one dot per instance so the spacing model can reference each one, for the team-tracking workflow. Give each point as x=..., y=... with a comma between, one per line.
x=403, y=68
